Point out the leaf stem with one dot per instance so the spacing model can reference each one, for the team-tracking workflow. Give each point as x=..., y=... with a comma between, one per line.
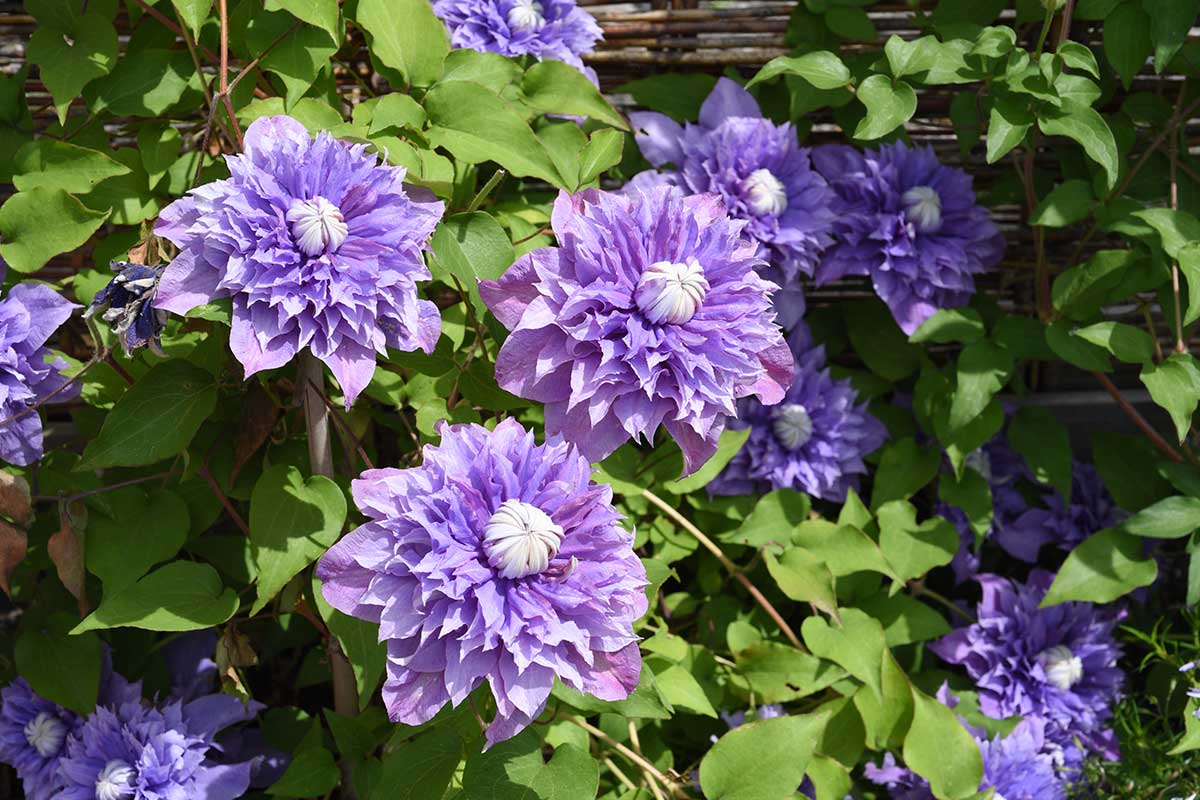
x=1138, y=420
x=729, y=566
x=647, y=767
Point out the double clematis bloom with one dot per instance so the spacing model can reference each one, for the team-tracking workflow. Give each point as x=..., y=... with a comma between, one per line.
x=813, y=441
x=33, y=737
x=759, y=169
x=318, y=245
x=29, y=316
x=648, y=312
x=554, y=29
x=910, y=224
x=496, y=560
x=1058, y=664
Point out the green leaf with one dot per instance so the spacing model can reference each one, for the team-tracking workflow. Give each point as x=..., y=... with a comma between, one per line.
x=1085, y=125
x=555, y=87
x=856, y=645
x=889, y=105
x=192, y=13
x=885, y=716
x=843, y=548
x=905, y=620
x=1170, y=21
x=1008, y=122
x=416, y=48
x=71, y=54
x=938, y=748
x=1191, y=730
x=1067, y=203
x=156, y=418
x=514, y=770
x=802, y=576
x=645, y=702
x=733, y=768
x=910, y=57
x=298, y=59
x=950, y=325
x=118, y=550
x=311, y=773
x=850, y=23
x=1107, y=565
x=1043, y=441
x=602, y=152
x=683, y=691
x=904, y=469
x=1169, y=518
x=420, y=768
x=1074, y=350
x=62, y=668
x=972, y=495
x=293, y=521
x=914, y=549
x=1176, y=229
x=1127, y=40
x=396, y=110
x=1128, y=465
x=1081, y=290
x=39, y=224
x=51, y=164
x=322, y=14
x=679, y=96
x=822, y=69
x=1129, y=344
x=778, y=673
x=360, y=642
x=773, y=519
x=158, y=145
x=181, y=596
x=1079, y=56
x=983, y=369
x=1189, y=265
x=476, y=125
x=878, y=340
x=143, y=84
x=728, y=445
x=1175, y=386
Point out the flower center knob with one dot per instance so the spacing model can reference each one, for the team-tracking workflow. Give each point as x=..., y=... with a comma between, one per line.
x=525, y=15
x=115, y=781
x=520, y=539
x=1062, y=667
x=765, y=194
x=317, y=225
x=45, y=733
x=671, y=292
x=792, y=425
x=923, y=207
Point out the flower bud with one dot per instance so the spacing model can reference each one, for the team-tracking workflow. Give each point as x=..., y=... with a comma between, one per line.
x=671, y=293
x=520, y=539
x=317, y=225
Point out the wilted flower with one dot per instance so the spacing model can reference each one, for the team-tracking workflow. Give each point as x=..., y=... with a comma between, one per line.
x=29, y=315
x=648, y=312
x=131, y=751
x=1017, y=767
x=318, y=246
x=910, y=224
x=814, y=441
x=1064, y=524
x=760, y=171
x=127, y=305
x=540, y=28
x=499, y=560
x=33, y=737
x=1057, y=663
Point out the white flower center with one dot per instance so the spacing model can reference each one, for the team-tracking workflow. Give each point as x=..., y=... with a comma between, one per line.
x=317, y=225
x=923, y=207
x=979, y=461
x=525, y=15
x=1062, y=667
x=115, y=781
x=45, y=733
x=520, y=539
x=792, y=425
x=670, y=292
x=765, y=194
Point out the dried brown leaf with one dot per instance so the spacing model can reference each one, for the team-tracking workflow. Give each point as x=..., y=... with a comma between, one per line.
x=16, y=502
x=259, y=413
x=13, y=543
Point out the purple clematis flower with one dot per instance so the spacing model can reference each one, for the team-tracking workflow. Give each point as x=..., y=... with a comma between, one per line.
x=29, y=316
x=33, y=737
x=497, y=560
x=127, y=305
x=647, y=313
x=761, y=172
x=814, y=441
x=1057, y=663
x=910, y=224
x=1063, y=524
x=318, y=245
x=543, y=29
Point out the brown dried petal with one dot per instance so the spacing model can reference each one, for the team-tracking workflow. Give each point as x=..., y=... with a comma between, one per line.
x=16, y=502
x=13, y=544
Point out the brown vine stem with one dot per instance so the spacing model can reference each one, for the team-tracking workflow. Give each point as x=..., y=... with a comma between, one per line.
x=729, y=566
x=637, y=746
x=104, y=489
x=204, y=473
x=645, y=765
x=1158, y=441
